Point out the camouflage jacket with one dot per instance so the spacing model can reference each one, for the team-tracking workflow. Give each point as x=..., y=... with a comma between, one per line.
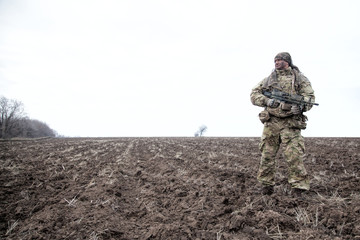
x=288, y=80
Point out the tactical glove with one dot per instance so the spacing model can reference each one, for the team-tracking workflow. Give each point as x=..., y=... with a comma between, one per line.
x=296, y=109
x=272, y=103
x=307, y=99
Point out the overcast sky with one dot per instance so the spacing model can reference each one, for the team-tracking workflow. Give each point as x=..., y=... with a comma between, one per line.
x=119, y=68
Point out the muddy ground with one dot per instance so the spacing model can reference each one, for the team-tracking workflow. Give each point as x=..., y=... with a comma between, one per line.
x=173, y=188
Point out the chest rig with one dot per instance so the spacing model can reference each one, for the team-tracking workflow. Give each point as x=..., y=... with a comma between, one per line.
x=284, y=80
x=288, y=81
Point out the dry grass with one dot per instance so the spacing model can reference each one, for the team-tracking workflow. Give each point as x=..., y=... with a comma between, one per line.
x=275, y=233
x=306, y=218
x=72, y=201
x=11, y=227
x=334, y=199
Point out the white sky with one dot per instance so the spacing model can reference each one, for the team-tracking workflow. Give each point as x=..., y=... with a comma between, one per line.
x=114, y=68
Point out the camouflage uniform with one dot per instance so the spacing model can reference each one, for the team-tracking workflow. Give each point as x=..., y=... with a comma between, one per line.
x=281, y=126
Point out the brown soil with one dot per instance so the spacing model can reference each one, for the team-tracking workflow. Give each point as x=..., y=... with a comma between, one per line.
x=173, y=188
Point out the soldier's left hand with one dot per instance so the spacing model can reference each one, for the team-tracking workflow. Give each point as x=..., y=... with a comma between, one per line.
x=295, y=109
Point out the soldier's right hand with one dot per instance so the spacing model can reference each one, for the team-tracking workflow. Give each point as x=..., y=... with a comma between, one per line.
x=272, y=103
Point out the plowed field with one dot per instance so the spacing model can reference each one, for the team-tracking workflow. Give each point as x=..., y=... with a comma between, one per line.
x=173, y=188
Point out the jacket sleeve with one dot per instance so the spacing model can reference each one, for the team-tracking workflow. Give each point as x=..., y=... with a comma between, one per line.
x=307, y=92
x=257, y=98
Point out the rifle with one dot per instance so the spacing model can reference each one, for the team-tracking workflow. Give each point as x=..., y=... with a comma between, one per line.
x=288, y=98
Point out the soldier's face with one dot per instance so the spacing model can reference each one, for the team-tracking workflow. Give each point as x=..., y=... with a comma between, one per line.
x=281, y=64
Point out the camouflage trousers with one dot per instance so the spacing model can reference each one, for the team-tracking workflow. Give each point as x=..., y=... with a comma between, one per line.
x=277, y=132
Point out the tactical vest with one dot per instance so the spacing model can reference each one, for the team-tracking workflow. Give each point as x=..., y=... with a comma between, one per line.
x=293, y=87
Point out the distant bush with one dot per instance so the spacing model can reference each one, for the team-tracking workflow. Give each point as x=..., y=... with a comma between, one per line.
x=31, y=128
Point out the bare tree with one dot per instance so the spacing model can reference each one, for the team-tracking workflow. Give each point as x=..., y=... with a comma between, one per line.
x=11, y=111
x=15, y=123
x=201, y=131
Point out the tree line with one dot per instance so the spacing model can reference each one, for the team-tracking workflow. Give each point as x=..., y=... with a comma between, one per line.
x=15, y=123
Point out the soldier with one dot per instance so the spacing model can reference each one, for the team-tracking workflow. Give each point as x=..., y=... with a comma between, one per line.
x=283, y=123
